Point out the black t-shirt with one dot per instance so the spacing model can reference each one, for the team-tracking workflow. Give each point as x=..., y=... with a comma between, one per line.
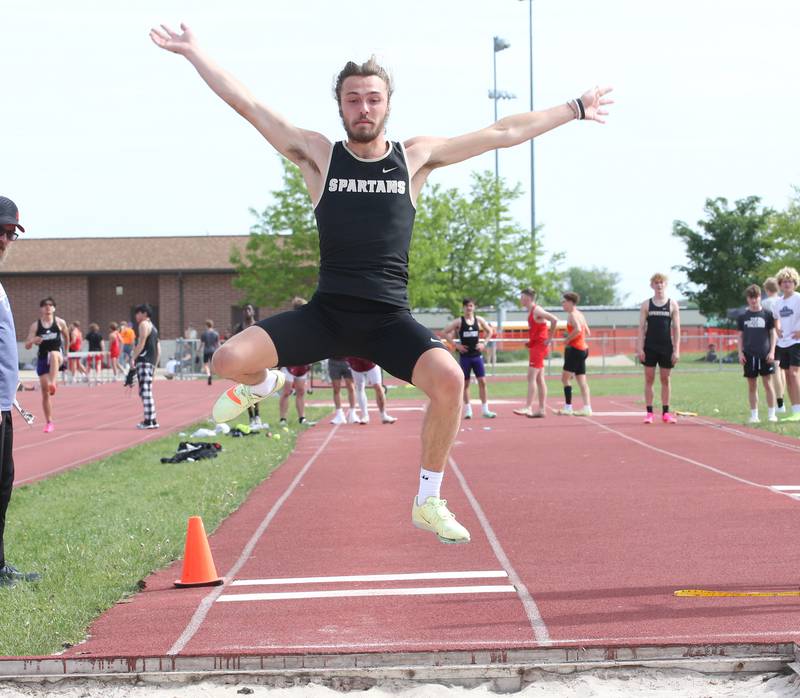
x=210, y=340
x=469, y=336
x=95, y=340
x=755, y=328
x=365, y=218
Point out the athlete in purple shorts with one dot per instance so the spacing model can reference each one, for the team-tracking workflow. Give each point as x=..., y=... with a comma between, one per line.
x=470, y=346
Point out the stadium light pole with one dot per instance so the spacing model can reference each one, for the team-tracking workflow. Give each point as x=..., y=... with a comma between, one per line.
x=499, y=45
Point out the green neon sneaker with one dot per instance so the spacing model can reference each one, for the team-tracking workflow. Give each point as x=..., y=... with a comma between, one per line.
x=237, y=399
x=434, y=516
x=792, y=417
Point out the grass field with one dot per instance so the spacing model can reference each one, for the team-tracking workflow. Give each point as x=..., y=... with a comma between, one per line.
x=96, y=531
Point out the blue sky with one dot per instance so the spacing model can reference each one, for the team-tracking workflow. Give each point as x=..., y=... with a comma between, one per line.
x=102, y=134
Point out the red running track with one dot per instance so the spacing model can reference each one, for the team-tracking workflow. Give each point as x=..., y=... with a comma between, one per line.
x=94, y=422
x=591, y=522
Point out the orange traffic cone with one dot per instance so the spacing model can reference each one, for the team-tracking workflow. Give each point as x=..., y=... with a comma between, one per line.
x=198, y=565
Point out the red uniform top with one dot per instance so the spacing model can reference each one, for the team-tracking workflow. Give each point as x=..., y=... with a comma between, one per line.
x=76, y=341
x=298, y=371
x=360, y=365
x=538, y=330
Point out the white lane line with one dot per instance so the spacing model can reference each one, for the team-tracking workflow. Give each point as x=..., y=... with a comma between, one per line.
x=372, y=578
x=205, y=605
x=691, y=461
x=728, y=429
x=531, y=609
x=399, y=591
x=785, y=487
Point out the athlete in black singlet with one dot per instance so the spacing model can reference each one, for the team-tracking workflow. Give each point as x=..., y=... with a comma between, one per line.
x=364, y=191
x=658, y=344
x=50, y=334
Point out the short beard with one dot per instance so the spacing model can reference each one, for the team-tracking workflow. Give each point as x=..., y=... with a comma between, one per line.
x=365, y=136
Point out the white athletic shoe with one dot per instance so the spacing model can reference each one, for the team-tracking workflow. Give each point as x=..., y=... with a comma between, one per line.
x=339, y=417
x=755, y=420
x=387, y=419
x=352, y=417
x=782, y=409
x=772, y=418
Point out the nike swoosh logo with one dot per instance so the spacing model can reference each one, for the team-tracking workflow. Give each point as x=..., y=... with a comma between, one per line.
x=231, y=393
x=384, y=170
x=433, y=339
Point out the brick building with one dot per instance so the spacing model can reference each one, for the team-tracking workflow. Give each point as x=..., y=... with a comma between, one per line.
x=185, y=279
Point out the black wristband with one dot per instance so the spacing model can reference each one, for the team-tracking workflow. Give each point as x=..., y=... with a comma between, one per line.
x=580, y=108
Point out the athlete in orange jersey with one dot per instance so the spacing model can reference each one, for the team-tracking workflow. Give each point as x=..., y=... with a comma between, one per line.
x=575, y=356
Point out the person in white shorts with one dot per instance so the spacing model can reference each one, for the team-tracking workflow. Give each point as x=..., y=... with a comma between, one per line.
x=787, y=312
x=368, y=373
x=768, y=303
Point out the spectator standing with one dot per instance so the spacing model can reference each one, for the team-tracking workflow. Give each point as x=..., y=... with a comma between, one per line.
x=757, y=338
x=9, y=379
x=96, y=343
x=769, y=302
x=75, y=344
x=114, y=349
x=210, y=341
x=146, y=356
x=128, y=338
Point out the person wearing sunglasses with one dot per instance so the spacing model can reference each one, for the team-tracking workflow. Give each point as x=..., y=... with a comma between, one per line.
x=9, y=379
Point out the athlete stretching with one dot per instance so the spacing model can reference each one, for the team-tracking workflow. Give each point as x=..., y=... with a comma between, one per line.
x=364, y=192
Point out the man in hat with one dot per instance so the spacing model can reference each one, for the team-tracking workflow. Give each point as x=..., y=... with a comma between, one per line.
x=9, y=379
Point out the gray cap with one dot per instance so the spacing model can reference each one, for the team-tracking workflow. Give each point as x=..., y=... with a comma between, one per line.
x=9, y=213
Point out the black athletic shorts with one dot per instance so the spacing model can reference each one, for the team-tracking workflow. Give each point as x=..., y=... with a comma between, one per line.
x=207, y=355
x=575, y=360
x=788, y=356
x=337, y=325
x=658, y=357
x=755, y=366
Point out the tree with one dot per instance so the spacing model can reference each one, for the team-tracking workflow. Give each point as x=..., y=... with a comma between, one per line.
x=281, y=259
x=725, y=254
x=462, y=246
x=783, y=239
x=596, y=286
x=470, y=246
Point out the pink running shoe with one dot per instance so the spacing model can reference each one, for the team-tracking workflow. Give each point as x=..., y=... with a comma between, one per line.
x=669, y=418
x=49, y=428
x=648, y=419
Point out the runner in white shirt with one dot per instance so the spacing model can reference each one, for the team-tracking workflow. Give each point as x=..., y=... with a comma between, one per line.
x=772, y=289
x=787, y=314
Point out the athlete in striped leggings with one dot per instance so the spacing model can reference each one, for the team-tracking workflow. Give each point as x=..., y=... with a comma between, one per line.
x=145, y=357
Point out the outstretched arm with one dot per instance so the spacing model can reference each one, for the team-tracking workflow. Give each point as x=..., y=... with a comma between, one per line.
x=427, y=153
x=307, y=149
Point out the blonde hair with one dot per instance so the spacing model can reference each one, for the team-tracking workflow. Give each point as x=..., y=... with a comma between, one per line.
x=658, y=276
x=788, y=273
x=298, y=302
x=771, y=285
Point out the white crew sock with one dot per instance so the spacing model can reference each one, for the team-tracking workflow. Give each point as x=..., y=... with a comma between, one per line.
x=754, y=413
x=485, y=407
x=770, y=411
x=430, y=483
x=266, y=386
x=468, y=409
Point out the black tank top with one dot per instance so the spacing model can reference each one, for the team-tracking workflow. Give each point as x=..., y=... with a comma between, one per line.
x=148, y=355
x=469, y=335
x=365, y=218
x=51, y=337
x=659, y=326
